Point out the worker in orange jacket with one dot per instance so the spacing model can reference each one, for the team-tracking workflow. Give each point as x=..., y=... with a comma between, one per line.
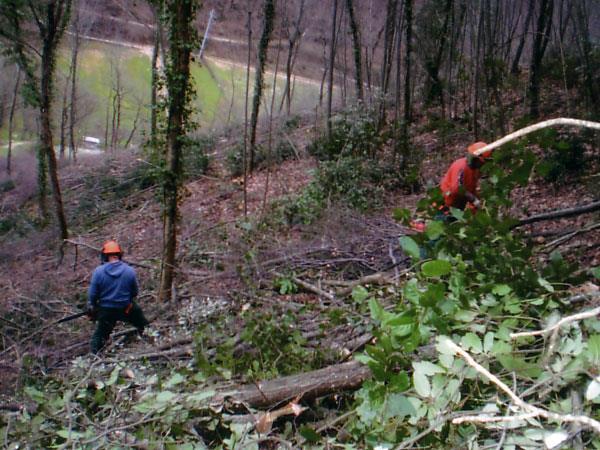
x=460, y=185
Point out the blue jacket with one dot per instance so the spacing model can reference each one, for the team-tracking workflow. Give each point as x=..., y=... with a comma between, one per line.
x=113, y=285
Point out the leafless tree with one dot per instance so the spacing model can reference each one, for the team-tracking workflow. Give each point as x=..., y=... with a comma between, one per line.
x=541, y=38
x=294, y=30
x=331, y=63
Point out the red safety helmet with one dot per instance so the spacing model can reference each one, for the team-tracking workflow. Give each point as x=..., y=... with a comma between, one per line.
x=111, y=248
x=476, y=146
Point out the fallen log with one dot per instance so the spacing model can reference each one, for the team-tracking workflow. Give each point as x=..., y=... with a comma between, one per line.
x=560, y=213
x=309, y=385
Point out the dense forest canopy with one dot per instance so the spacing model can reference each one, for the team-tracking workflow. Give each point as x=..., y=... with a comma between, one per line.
x=274, y=175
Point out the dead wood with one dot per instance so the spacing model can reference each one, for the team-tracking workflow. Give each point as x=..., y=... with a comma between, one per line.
x=309, y=385
x=558, y=214
x=12, y=407
x=380, y=278
x=567, y=237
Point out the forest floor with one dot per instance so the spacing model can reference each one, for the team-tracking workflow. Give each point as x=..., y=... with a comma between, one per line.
x=229, y=262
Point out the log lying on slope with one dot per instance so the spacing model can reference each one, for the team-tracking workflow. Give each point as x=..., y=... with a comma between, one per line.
x=309, y=385
x=558, y=214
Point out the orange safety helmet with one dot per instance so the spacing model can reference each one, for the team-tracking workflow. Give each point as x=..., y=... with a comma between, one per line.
x=476, y=146
x=111, y=248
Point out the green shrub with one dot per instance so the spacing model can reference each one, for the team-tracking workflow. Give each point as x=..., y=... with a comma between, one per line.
x=351, y=180
x=291, y=123
x=281, y=151
x=562, y=157
x=7, y=185
x=270, y=345
x=234, y=160
x=7, y=224
x=195, y=155
x=354, y=132
x=303, y=208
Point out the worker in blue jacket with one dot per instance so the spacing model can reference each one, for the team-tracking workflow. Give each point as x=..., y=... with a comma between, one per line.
x=111, y=296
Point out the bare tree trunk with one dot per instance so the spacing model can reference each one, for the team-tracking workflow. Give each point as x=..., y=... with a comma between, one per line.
x=106, y=122
x=73, y=75
x=263, y=47
x=293, y=43
x=476, y=75
x=407, y=66
x=515, y=65
x=116, y=111
x=344, y=84
x=11, y=117
x=182, y=37
x=590, y=73
x=64, y=116
x=245, y=149
x=135, y=125
x=334, y=10
x=113, y=123
x=434, y=89
x=56, y=17
x=270, y=131
x=388, y=51
x=155, y=77
x=540, y=42
x=398, y=88
x=46, y=90
x=356, y=49
x=405, y=140
x=325, y=71
x=388, y=44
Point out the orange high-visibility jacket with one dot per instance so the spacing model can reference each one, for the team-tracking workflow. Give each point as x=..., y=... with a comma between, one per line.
x=458, y=179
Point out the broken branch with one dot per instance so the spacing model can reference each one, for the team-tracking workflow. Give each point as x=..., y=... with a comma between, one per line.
x=530, y=410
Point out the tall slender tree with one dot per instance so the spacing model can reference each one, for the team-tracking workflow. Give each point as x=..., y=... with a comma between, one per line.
x=49, y=19
x=182, y=40
x=263, y=48
x=11, y=120
x=356, y=49
x=524, y=32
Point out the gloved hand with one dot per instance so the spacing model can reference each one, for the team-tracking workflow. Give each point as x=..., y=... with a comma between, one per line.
x=477, y=203
x=92, y=312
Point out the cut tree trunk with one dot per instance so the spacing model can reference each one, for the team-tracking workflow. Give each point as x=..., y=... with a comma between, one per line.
x=309, y=385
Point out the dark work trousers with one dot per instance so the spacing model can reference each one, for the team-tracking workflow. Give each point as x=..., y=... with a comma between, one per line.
x=107, y=318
